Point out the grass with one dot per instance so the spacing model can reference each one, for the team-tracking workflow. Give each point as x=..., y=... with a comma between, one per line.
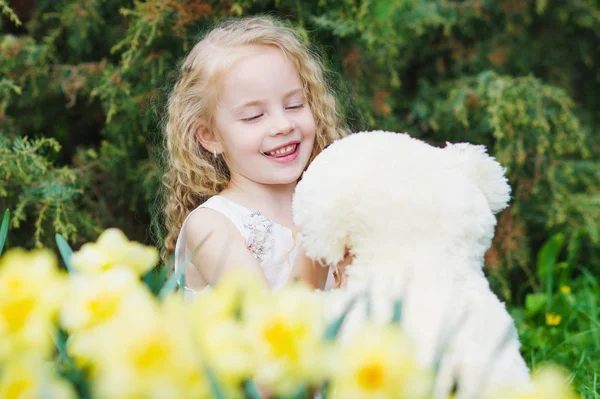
x=561, y=323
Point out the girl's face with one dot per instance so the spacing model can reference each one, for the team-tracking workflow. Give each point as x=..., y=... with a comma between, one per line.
x=264, y=121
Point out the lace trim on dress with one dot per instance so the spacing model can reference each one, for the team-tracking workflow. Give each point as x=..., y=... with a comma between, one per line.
x=260, y=241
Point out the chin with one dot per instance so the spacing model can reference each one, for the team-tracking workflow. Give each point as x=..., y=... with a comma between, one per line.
x=287, y=181
x=291, y=178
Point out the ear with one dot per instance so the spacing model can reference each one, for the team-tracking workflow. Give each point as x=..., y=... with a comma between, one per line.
x=208, y=139
x=483, y=170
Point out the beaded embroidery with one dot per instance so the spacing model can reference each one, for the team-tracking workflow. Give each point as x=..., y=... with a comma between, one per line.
x=260, y=240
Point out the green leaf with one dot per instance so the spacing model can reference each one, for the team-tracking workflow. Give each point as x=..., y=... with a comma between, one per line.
x=4, y=229
x=182, y=281
x=397, y=316
x=546, y=264
x=549, y=254
x=535, y=302
x=178, y=277
x=331, y=333
x=250, y=390
x=156, y=279
x=324, y=391
x=165, y=270
x=174, y=280
x=60, y=341
x=66, y=367
x=214, y=384
x=65, y=251
x=334, y=327
x=301, y=392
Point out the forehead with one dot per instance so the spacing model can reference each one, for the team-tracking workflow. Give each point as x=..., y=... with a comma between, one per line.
x=263, y=72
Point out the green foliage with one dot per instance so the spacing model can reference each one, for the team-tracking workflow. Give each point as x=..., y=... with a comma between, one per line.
x=562, y=324
x=533, y=130
x=25, y=168
x=6, y=10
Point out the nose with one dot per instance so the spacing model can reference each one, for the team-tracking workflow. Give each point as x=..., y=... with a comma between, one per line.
x=282, y=124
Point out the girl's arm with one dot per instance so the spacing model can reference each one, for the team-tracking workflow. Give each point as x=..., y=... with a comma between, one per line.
x=315, y=273
x=224, y=249
x=307, y=270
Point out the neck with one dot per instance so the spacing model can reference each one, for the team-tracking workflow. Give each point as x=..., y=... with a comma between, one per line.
x=274, y=201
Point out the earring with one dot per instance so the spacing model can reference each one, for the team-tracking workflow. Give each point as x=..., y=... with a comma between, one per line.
x=215, y=153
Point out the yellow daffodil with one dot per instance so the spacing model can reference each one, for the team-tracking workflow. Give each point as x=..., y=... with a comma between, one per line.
x=286, y=332
x=548, y=382
x=97, y=299
x=565, y=289
x=379, y=363
x=553, y=319
x=29, y=377
x=114, y=250
x=153, y=356
x=31, y=291
x=96, y=303
x=227, y=299
x=216, y=319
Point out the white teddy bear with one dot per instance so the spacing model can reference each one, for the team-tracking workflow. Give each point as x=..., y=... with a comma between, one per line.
x=417, y=220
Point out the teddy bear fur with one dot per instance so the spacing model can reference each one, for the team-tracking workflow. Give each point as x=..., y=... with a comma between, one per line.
x=418, y=220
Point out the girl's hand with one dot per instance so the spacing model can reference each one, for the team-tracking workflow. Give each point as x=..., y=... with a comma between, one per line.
x=306, y=270
x=315, y=273
x=339, y=271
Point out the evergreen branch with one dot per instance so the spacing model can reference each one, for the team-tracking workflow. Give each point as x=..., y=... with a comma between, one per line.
x=6, y=10
x=38, y=223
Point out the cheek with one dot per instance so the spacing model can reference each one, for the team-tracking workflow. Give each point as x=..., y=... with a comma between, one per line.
x=309, y=125
x=247, y=140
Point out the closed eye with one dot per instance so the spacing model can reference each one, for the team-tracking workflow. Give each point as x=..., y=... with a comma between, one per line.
x=296, y=106
x=250, y=119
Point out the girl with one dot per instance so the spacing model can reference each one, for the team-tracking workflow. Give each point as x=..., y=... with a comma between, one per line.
x=248, y=114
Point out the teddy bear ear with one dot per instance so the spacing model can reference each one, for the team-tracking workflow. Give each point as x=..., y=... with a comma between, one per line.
x=483, y=170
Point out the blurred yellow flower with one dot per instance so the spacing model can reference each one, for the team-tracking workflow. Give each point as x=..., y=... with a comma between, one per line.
x=114, y=250
x=553, y=319
x=152, y=356
x=378, y=362
x=226, y=300
x=89, y=315
x=286, y=331
x=548, y=382
x=226, y=347
x=97, y=299
x=565, y=289
x=29, y=377
x=31, y=291
x=217, y=325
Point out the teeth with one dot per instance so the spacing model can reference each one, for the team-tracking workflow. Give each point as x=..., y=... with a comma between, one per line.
x=282, y=151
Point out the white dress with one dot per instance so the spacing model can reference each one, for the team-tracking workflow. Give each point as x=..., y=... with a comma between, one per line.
x=272, y=244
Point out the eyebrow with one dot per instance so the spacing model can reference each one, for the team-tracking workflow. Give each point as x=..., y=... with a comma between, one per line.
x=293, y=91
x=259, y=102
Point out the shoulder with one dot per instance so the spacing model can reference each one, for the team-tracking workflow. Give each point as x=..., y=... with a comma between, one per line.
x=217, y=245
x=207, y=222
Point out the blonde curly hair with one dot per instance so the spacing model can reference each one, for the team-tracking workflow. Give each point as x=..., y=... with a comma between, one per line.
x=192, y=174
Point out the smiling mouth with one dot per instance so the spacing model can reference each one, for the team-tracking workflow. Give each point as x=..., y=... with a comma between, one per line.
x=282, y=152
